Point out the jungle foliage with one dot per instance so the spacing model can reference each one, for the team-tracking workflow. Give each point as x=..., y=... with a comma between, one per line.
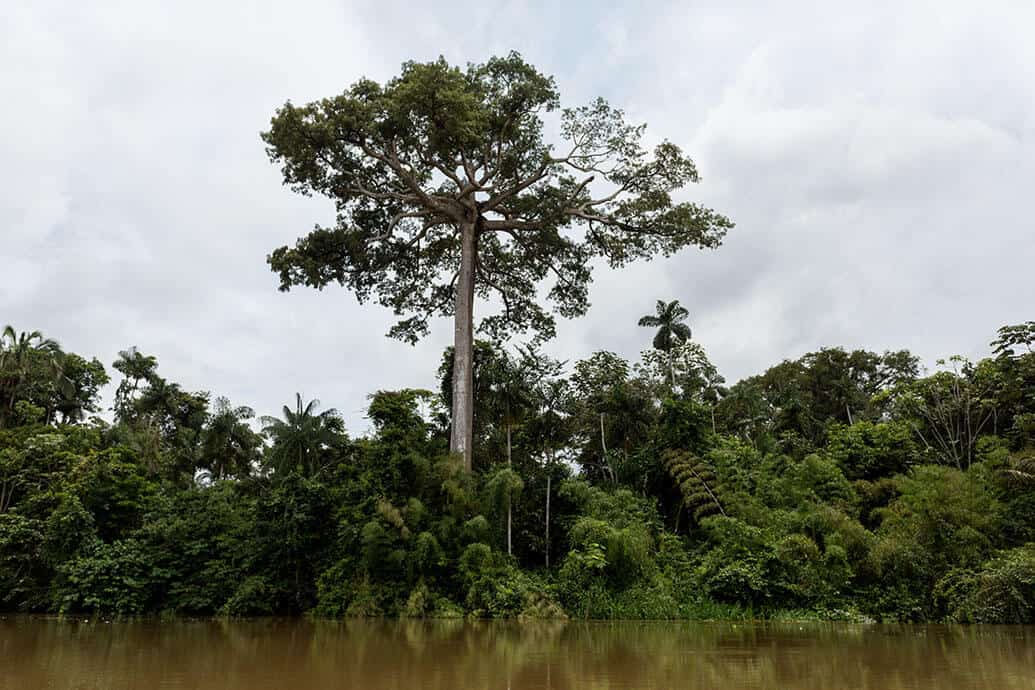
x=840, y=485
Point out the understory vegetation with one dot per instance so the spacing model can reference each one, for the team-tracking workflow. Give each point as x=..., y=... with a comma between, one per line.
x=843, y=485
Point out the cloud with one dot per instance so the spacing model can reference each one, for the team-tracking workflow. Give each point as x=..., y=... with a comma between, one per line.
x=877, y=164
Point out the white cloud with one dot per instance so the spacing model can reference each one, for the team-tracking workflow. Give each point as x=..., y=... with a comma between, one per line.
x=877, y=162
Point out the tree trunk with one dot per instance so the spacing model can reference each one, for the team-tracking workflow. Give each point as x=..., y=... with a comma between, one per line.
x=510, y=503
x=461, y=434
x=603, y=447
x=548, y=478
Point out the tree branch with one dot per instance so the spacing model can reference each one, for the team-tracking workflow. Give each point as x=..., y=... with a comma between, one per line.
x=397, y=219
x=516, y=189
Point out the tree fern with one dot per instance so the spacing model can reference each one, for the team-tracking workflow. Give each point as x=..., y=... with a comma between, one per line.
x=697, y=482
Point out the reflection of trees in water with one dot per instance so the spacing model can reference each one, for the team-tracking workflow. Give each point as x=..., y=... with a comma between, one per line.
x=436, y=654
x=457, y=654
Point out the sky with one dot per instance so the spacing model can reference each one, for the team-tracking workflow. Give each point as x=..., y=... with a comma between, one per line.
x=877, y=158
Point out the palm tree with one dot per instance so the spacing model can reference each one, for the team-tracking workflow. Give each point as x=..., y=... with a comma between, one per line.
x=230, y=446
x=668, y=319
x=300, y=438
x=18, y=353
x=135, y=368
x=672, y=332
x=161, y=398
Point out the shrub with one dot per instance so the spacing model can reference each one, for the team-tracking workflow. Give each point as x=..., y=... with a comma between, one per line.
x=869, y=451
x=113, y=578
x=1001, y=591
x=737, y=569
x=253, y=597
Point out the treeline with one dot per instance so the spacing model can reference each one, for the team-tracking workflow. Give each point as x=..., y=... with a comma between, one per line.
x=841, y=485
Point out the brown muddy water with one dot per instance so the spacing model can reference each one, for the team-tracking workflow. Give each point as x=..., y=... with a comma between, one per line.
x=456, y=655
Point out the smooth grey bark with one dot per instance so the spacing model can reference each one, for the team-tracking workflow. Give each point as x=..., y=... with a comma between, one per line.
x=460, y=438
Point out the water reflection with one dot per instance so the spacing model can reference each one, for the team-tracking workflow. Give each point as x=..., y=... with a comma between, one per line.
x=42, y=653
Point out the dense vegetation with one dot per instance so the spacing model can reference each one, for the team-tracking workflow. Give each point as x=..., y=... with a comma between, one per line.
x=838, y=485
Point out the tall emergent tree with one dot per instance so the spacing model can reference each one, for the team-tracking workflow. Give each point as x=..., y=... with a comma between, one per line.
x=447, y=189
x=672, y=332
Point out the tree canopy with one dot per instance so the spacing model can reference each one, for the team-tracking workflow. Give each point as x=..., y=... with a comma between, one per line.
x=437, y=147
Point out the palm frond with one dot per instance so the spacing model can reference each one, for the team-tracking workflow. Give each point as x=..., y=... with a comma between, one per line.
x=1021, y=471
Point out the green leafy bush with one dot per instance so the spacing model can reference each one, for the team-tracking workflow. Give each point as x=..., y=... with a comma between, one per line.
x=116, y=578
x=1001, y=591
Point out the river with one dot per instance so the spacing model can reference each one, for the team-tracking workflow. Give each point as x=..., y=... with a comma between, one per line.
x=456, y=655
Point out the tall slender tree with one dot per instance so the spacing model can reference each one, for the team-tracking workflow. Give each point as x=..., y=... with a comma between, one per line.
x=447, y=190
x=669, y=318
x=548, y=425
x=513, y=397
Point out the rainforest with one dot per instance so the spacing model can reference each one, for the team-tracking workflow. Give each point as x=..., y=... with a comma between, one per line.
x=841, y=485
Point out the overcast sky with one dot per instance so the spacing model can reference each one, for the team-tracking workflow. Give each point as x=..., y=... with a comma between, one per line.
x=879, y=164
